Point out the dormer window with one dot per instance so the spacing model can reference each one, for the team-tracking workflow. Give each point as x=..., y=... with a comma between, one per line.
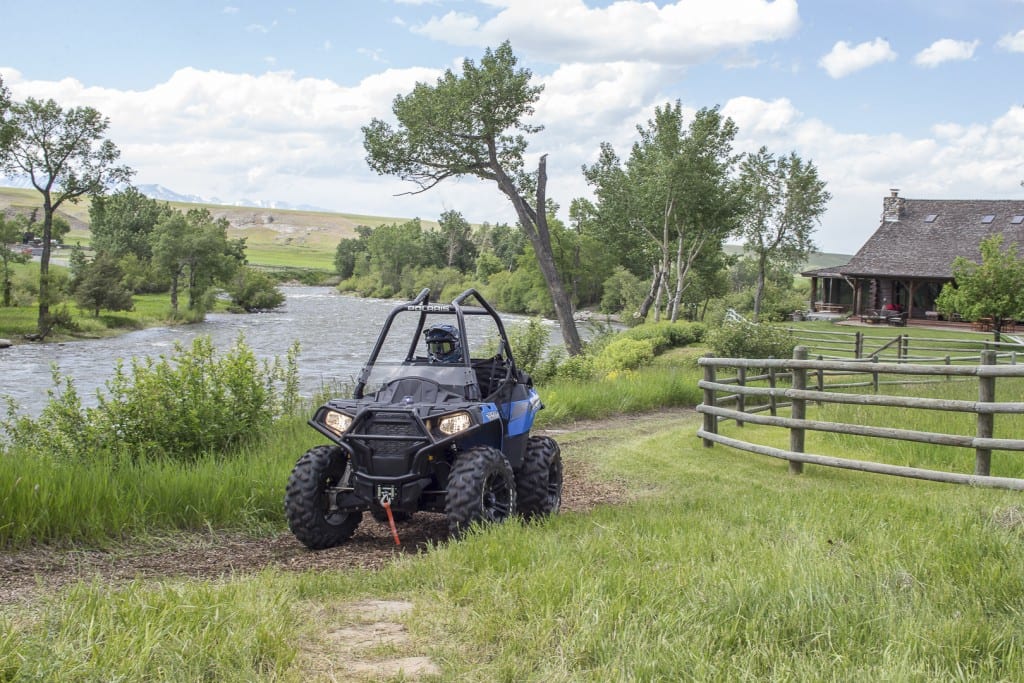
x=930, y=218
x=988, y=219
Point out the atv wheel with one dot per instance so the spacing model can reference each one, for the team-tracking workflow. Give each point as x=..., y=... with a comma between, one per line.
x=539, y=484
x=481, y=488
x=306, y=503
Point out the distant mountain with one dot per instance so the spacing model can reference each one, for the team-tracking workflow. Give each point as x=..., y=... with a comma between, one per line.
x=165, y=194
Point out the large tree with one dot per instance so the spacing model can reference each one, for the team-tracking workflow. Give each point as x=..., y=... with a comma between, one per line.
x=121, y=223
x=993, y=288
x=671, y=204
x=65, y=157
x=475, y=125
x=783, y=201
x=193, y=248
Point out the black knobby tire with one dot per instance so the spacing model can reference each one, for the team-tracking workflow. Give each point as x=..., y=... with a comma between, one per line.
x=539, y=481
x=481, y=489
x=306, y=504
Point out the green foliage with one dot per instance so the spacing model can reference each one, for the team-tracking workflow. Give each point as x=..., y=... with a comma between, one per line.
x=623, y=292
x=99, y=286
x=252, y=290
x=738, y=339
x=667, y=335
x=176, y=408
x=625, y=354
x=122, y=223
x=529, y=341
x=993, y=288
x=11, y=230
x=784, y=200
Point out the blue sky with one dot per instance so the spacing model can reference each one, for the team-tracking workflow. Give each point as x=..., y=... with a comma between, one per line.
x=264, y=101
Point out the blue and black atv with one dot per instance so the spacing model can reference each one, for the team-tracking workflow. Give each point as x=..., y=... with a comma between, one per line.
x=439, y=421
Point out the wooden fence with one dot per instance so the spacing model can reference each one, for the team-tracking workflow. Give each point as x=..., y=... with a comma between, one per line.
x=902, y=348
x=741, y=389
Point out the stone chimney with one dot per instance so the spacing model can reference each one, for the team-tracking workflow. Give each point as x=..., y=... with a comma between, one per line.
x=892, y=207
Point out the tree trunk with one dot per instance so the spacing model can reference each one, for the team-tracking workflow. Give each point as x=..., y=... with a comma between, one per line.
x=43, y=320
x=535, y=224
x=759, y=290
x=645, y=307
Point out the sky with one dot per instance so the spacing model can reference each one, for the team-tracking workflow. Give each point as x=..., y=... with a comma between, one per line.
x=236, y=100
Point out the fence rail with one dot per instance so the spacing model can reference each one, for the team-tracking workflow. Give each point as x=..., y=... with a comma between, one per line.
x=834, y=345
x=735, y=391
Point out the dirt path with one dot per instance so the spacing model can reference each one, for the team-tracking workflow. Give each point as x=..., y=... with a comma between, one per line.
x=25, y=573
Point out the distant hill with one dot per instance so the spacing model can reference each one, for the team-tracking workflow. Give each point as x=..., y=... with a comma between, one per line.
x=816, y=260
x=309, y=228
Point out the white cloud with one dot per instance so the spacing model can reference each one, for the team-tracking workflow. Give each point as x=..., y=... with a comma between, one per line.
x=678, y=33
x=844, y=60
x=1013, y=42
x=946, y=50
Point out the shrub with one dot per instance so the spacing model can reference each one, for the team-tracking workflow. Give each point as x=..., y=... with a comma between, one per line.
x=178, y=407
x=625, y=354
x=667, y=335
x=738, y=339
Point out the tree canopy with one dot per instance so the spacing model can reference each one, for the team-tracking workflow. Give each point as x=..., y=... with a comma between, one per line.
x=993, y=288
x=671, y=202
x=475, y=124
x=784, y=200
x=64, y=155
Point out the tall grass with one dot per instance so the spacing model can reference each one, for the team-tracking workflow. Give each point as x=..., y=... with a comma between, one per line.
x=724, y=567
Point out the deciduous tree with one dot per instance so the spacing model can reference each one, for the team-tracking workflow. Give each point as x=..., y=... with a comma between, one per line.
x=783, y=201
x=993, y=288
x=65, y=157
x=11, y=230
x=475, y=125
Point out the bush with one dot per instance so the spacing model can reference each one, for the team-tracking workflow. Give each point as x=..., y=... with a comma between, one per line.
x=667, y=335
x=625, y=354
x=178, y=407
x=737, y=339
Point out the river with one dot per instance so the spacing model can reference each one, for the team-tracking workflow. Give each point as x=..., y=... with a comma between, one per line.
x=335, y=334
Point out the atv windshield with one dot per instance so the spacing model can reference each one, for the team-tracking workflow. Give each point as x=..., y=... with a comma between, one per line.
x=420, y=381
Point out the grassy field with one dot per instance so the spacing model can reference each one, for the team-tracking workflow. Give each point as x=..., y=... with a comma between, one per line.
x=722, y=567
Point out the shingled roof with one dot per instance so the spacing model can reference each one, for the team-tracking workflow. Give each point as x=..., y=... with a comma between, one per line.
x=919, y=238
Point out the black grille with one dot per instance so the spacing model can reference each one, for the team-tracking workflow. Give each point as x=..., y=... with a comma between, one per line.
x=383, y=435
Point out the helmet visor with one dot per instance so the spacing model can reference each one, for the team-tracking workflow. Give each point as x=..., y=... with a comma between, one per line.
x=441, y=347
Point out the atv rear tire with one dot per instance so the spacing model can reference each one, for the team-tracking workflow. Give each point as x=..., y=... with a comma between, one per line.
x=306, y=504
x=539, y=482
x=481, y=489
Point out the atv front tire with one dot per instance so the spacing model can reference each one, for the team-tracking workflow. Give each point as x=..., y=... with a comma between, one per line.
x=481, y=489
x=539, y=483
x=307, y=505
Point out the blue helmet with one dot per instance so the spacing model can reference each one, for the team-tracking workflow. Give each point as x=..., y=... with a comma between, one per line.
x=443, y=344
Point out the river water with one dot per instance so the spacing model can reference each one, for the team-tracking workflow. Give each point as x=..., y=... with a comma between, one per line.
x=335, y=333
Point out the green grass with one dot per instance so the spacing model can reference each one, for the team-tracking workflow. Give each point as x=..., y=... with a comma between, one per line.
x=724, y=567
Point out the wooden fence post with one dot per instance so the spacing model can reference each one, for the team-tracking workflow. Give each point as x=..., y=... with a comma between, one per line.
x=858, y=345
x=772, y=401
x=741, y=398
x=986, y=394
x=710, y=421
x=798, y=410
x=874, y=375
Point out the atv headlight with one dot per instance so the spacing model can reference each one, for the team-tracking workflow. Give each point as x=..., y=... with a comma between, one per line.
x=337, y=422
x=455, y=423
